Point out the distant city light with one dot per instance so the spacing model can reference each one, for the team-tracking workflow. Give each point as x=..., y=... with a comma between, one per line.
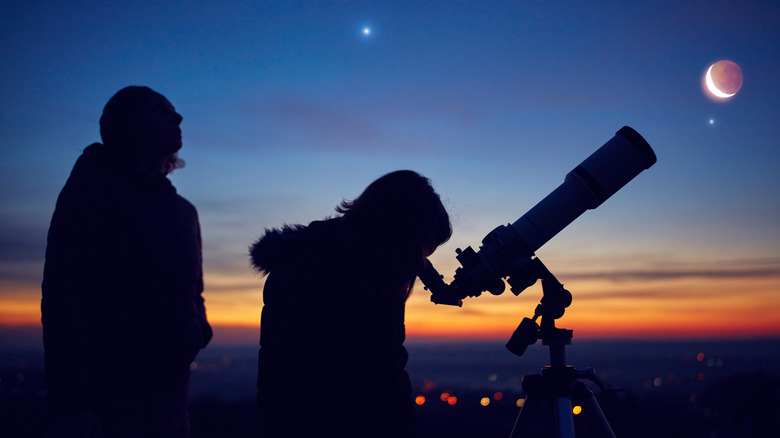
x=452, y=400
x=445, y=396
x=419, y=400
x=428, y=386
x=577, y=410
x=485, y=401
x=498, y=396
x=520, y=402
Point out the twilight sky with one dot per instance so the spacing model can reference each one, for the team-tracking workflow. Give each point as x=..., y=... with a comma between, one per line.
x=289, y=107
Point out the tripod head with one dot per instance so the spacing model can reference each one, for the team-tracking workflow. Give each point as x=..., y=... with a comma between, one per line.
x=560, y=383
x=555, y=300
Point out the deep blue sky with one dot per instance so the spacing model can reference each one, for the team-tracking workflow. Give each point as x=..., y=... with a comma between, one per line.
x=288, y=108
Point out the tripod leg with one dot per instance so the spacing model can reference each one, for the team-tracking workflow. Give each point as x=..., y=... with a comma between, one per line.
x=538, y=418
x=534, y=420
x=564, y=419
x=591, y=422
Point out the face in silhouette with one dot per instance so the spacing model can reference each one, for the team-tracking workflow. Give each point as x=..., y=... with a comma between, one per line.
x=157, y=126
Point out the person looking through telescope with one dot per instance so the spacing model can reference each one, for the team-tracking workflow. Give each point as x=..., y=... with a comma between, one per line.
x=332, y=360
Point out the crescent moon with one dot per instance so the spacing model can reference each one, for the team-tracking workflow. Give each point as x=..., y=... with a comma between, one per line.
x=714, y=89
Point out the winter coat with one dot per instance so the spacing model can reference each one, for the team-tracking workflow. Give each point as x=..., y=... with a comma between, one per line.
x=331, y=360
x=122, y=284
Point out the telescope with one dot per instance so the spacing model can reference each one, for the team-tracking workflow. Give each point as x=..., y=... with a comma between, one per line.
x=508, y=250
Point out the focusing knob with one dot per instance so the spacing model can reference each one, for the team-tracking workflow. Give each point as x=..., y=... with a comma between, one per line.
x=496, y=286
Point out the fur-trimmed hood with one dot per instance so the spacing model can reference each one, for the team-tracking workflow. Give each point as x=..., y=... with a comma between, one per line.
x=283, y=245
x=274, y=246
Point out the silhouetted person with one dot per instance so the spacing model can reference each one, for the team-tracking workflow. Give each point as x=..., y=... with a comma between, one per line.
x=332, y=360
x=122, y=311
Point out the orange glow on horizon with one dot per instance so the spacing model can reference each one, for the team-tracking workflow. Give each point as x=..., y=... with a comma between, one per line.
x=665, y=308
x=678, y=308
x=20, y=313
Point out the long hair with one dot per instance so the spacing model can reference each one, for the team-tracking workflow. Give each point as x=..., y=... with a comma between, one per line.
x=396, y=219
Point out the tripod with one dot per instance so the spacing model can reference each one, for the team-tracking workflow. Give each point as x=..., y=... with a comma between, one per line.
x=550, y=396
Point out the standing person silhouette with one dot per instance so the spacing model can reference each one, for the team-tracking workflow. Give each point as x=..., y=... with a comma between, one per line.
x=332, y=360
x=122, y=311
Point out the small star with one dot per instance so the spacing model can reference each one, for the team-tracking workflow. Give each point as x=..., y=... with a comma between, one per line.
x=712, y=122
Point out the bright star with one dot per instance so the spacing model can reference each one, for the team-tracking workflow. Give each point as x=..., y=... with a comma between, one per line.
x=366, y=31
x=712, y=121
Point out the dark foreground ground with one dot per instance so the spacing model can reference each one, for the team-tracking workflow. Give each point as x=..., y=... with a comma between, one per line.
x=698, y=390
